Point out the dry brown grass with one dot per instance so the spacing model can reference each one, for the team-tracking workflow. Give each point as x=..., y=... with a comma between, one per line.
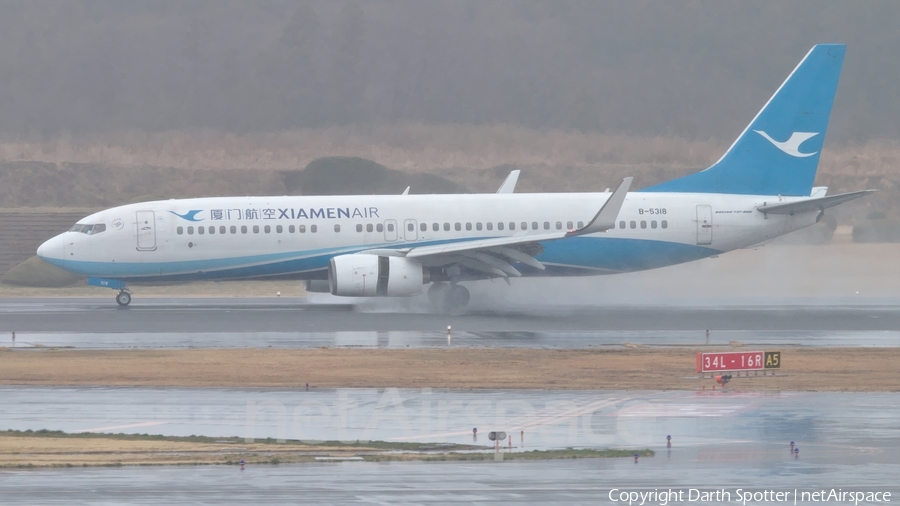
x=47, y=451
x=832, y=369
x=413, y=147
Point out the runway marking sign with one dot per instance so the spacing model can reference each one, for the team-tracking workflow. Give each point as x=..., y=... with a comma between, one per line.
x=738, y=361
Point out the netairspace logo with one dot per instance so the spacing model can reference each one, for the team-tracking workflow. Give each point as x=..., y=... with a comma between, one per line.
x=744, y=496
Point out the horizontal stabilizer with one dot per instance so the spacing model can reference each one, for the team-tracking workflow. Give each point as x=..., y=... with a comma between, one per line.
x=812, y=204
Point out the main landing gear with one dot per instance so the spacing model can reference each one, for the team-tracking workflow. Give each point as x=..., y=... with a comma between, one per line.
x=448, y=298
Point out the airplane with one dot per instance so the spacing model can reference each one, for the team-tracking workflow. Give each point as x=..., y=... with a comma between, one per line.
x=395, y=245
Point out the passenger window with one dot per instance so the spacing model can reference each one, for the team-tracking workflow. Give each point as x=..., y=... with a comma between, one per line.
x=255, y=229
x=478, y=226
x=359, y=227
x=489, y=225
x=410, y=227
x=468, y=226
x=524, y=226
x=500, y=226
x=233, y=229
x=534, y=225
x=435, y=227
x=423, y=227
x=267, y=229
x=457, y=226
x=313, y=229
x=301, y=229
x=369, y=227
x=558, y=225
x=580, y=225
x=621, y=224
x=212, y=230
x=179, y=230
x=546, y=225
x=379, y=228
x=201, y=230
x=665, y=224
x=633, y=224
x=291, y=229
x=570, y=225
x=390, y=227
x=190, y=230
x=653, y=224
x=279, y=229
x=643, y=224
x=243, y=229
x=446, y=227
x=512, y=225
x=222, y=229
x=337, y=228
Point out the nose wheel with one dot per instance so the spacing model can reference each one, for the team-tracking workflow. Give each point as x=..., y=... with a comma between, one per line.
x=123, y=298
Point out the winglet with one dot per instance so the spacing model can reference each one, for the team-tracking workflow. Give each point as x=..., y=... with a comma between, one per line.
x=406, y=191
x=509, y=184
x=605, y=218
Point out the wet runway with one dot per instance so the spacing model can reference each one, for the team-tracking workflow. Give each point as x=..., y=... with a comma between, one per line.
x=566, y=481
x=719, y=440
x=459, y=339
x=292, y=316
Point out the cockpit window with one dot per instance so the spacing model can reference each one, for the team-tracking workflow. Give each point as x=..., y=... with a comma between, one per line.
x=88, y=229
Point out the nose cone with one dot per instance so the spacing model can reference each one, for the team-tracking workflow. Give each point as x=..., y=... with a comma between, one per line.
x=52, y=251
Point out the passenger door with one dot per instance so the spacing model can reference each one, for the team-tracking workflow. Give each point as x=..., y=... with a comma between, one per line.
x=146, y=230
x=410, y=233
x=704, y=224
x=390, y=230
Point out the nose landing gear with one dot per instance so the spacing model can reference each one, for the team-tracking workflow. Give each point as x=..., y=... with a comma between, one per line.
x=123, y=298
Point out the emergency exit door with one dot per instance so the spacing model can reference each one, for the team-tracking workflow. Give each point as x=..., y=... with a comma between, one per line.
x=704, y=224
x=146, y=230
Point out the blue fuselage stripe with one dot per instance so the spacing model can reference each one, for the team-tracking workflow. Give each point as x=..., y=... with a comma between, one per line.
x=573, y=256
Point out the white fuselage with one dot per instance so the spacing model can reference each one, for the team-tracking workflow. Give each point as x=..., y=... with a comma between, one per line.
x=242, y=237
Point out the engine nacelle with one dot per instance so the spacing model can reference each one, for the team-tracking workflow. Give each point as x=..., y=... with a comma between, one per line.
x=361, y=275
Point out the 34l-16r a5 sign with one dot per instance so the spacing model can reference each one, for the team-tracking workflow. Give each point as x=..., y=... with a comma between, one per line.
x=738, y=361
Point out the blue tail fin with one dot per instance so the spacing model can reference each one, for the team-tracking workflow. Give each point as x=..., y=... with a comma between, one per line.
x=778, y=152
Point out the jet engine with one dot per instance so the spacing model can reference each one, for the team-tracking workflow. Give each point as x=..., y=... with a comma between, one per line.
x=361, y=275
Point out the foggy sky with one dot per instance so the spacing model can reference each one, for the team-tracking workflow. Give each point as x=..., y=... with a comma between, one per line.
x=692, y=69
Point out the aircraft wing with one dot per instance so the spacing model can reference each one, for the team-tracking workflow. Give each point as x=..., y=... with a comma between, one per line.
x=495, y=256
x=812, y=204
